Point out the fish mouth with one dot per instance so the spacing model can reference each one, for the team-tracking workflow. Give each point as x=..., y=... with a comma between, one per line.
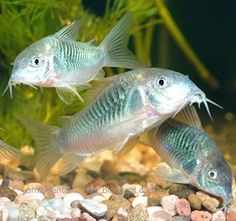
x=12, y=83
x=198, y=97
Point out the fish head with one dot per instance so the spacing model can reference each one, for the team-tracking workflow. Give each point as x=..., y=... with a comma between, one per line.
x=215, y=176
x=33, y=65
x=171, y=91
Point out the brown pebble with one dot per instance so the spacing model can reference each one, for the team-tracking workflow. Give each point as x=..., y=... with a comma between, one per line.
x=94, y=185
x=208, y=202
x=180, y=190
x=138, y=213
x=114, y=187
x=114, y=203
x=194, y=201
x=5, y=191
x=154, y=198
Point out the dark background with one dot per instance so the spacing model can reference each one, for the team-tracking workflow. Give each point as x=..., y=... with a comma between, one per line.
x=210, y=28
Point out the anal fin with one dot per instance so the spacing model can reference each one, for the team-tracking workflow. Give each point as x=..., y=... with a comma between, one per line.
x=67, y=163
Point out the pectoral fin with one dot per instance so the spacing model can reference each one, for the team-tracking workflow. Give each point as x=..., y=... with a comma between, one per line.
x=68, y=94
x=189, y=116
x=168, y=173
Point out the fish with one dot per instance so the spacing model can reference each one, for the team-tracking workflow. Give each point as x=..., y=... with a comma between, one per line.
x=9, y=152
x=122, y=107
x=190, y=156
x=59, y=61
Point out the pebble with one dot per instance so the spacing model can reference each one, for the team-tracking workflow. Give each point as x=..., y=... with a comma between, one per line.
x=180, y=218
x=138, y=213
x=197, y=215
x=26, y=212
x=208, y=202
x=194, y=201
x=59, y=191
x=218, y=216
x=87, y=217
x=169, y=204
x=136, y=189
x=98, y=198
x=183, y=207
x=122, y=212
x=128, y=194
x=13, y=212
x=114, y=187
x=154, y=198
x=114, y=203
x=76, y=212
x=231, y=215
x=143, y=200
x=94, y=185
x=17, y=184
x=180, y=190
x=56, y=203
x=70, y=197
x=34, y=195
x=94, y=208
x=3, y=213
x=157, y=213
x=105, y=191
x=5, y=191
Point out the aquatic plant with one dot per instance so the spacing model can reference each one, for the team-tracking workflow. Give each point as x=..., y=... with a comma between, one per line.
x=24, y=21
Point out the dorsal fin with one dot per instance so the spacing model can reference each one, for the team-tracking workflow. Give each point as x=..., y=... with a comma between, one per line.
x=189, y=116
x=70, y=31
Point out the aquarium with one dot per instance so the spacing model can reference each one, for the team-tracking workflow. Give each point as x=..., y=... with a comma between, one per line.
x=117, y=110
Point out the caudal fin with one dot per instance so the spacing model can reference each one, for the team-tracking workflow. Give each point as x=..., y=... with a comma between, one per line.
x=9, y=152
x=47, y=148
x=115, y=46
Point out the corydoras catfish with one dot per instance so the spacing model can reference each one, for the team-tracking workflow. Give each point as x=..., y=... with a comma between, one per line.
x=60, y=61
x=128, y=105
x=190, y=155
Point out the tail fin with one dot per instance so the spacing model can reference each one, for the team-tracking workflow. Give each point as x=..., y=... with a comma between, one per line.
x=47, y=148
x=115, y=46
x=9, y=152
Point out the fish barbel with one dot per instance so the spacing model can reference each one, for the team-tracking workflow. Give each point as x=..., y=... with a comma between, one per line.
x=190, y=155
x=127, y=105
x=59, y=61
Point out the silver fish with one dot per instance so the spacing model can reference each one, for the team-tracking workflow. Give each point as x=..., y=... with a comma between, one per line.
x=60, y=61
x=127, y=105
x=190, y=155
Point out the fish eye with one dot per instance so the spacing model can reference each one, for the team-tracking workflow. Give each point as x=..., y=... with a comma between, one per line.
x=162, y=82
x=36, y=61
x=212, y=174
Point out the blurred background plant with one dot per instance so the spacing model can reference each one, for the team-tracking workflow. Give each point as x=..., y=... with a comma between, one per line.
x=153, y=35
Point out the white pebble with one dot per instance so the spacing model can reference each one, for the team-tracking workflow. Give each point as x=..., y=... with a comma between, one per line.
x=218, y=216
x=41, y=211
x=76, y=212
x=122, y=211
x=34, y=195
x=70, y=197
x=56, y=203
x=97, y=209
x=3, y=213
x=98, y=198
x=13, y=212
x=169, y=204
x=156, y=213
x=106, y=192
x=143, y=200
x=136, y=189
x=4, y=200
